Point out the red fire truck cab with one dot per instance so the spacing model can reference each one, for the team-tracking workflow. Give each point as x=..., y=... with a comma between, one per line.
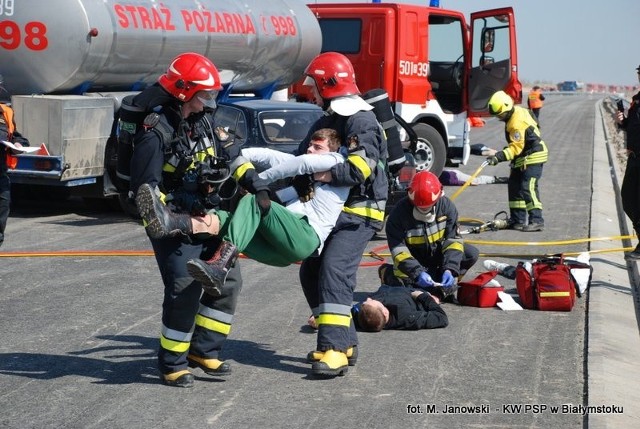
x=437, y=70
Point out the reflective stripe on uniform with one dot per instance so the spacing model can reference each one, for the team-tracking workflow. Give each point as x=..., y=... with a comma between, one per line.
x=241, y=170
x=369, y=212
x=535, y=202
x=213, y=325
x=454, y=245
x=175, y=341
x=361, y=164
x=334, y=314
x=214, y=320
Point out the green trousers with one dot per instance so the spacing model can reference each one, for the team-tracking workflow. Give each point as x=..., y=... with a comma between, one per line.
x=279, y=239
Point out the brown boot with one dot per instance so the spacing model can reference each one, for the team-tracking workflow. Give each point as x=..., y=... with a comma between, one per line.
x=213, y=273
x=158, y=220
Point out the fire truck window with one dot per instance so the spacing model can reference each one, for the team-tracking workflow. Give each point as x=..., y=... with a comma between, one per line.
x=446, y=60
x=341, y=35
x=490, y=35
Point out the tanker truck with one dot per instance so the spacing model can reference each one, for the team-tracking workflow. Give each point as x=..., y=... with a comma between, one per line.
x=69, y=63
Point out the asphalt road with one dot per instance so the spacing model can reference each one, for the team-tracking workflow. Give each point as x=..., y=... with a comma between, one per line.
x=80, y=329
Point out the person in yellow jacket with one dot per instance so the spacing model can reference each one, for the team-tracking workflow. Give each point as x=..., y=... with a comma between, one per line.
x=535, y=100
x=527, y=153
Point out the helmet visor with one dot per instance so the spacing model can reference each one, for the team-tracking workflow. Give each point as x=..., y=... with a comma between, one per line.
x=208, y=98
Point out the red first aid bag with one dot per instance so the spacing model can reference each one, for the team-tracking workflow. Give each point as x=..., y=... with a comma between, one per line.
x=476, y=292
x=548, y=287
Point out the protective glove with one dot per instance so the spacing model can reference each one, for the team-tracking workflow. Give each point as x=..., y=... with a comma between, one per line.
x=447, y=279
x=424, y=280
x=493, y=160
x=264, y=202
x=303, y=184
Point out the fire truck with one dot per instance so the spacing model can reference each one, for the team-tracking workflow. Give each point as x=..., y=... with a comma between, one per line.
x=437, y=70
x=69, y=63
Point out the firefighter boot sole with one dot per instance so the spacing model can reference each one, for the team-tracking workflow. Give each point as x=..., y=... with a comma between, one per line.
x=199, y=270
x=151, y=211
x=332, y=364
x=221, y=368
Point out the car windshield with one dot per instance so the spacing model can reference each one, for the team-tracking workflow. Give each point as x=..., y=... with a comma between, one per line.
x=287, y=127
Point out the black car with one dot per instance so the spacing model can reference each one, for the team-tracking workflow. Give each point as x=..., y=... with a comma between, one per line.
x=279, y=125
x=282, y=125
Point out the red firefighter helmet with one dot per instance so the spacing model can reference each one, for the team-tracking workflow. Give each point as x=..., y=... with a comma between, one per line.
x=424, y=190
x=333, y=75
x=189, y=73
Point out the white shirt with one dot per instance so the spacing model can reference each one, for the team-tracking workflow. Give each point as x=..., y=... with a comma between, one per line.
x=323, y=209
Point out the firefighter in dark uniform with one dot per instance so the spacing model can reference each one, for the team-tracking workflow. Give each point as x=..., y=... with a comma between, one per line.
x=184, y=166
x=630, y=191
x=527, y=153
x=424, y=240
x=329, y=280
x=8, y=133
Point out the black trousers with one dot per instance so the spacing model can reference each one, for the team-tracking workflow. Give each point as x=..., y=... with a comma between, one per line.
x=192, y=322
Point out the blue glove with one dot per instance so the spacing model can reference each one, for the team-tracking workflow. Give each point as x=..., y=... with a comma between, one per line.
x=447, y=279
x=424, y=280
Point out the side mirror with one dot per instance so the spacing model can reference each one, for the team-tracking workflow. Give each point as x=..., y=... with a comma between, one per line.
x=487, y=40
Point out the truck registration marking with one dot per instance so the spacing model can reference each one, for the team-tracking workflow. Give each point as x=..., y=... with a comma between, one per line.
x=33, y=35
x=410, y=68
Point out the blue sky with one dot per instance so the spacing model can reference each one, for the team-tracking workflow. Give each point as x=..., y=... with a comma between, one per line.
x=594, y=41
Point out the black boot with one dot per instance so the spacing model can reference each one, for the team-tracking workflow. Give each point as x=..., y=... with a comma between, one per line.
x=159, y=221
x=213, y=273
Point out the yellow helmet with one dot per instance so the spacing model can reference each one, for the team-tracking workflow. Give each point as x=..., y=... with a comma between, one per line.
x=500, y=103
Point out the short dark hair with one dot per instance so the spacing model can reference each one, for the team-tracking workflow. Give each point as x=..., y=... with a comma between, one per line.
x=329, y=134
x=371, y=319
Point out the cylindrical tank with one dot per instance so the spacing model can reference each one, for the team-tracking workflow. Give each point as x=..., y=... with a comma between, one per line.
x=74, y=46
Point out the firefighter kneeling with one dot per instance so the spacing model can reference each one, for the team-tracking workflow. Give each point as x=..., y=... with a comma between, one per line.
x=424, y=239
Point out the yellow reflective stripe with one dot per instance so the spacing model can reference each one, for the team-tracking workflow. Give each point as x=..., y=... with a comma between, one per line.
x=554, y=294
x=168, y=168
x=369, y=212
x=201, y=155
x=360, y=164
x=334, y=319
x=437, y=236
x=517, y=204
x=174, y=346
x=213, y=325
x=456, y=245
x=241, y=170
x=401, y=257
x=416, y=240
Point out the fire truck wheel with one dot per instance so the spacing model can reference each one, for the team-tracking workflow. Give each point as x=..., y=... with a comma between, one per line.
x=429, y=151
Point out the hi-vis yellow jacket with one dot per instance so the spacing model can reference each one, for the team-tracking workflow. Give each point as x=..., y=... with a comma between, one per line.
x=525, y=145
